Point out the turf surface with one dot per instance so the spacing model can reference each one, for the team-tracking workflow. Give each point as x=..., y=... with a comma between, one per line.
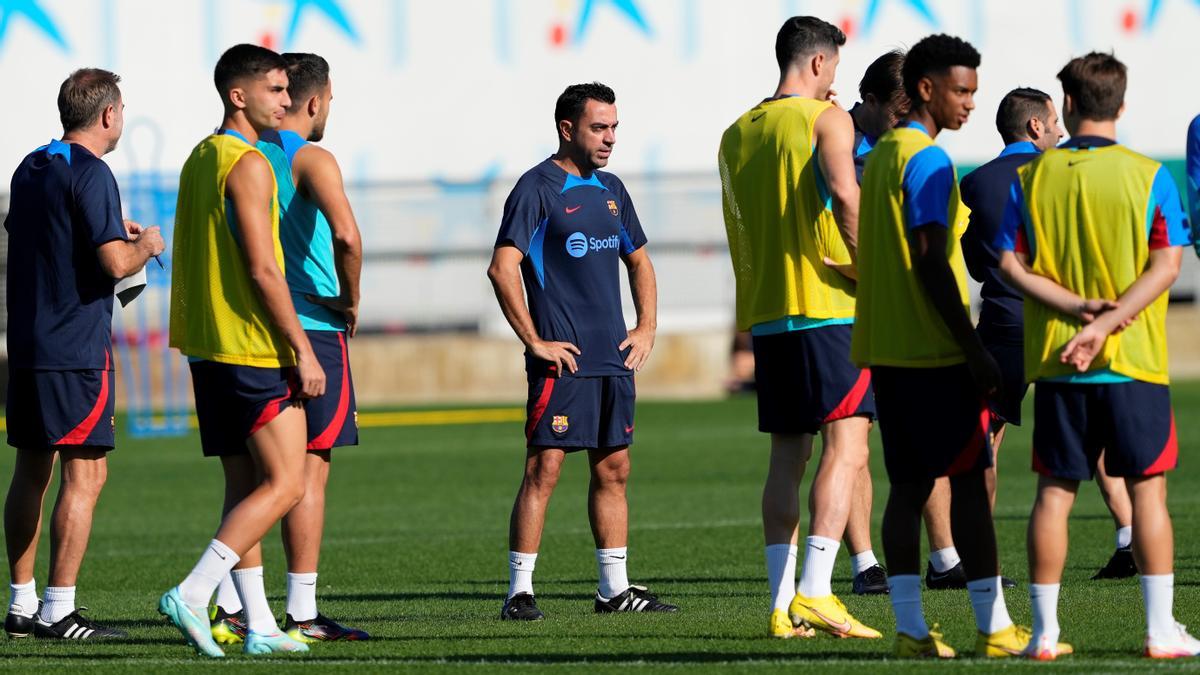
x=415, y=553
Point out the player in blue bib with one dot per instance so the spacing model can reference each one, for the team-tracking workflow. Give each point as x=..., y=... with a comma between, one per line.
x=566, y=228
x=323, y=260
x=67, y=245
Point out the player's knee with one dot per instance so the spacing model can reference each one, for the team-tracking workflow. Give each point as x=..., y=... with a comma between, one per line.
x=612, y=475
x=542, y=474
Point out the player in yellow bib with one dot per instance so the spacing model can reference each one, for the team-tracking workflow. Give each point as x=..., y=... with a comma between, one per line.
x=931, y=372
x=791, y=214
x=232, y=315
x=1093, y=236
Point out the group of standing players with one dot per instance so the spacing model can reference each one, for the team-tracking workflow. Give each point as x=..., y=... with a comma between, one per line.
x=845, y=231
x=853, y=285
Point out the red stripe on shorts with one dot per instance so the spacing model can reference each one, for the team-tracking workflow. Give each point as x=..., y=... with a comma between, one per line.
x=79, y=434
x=325, y=440
x=969, y=456
x=273, y=409
x=854, y=398
x=1169, y=455
x=539, y=408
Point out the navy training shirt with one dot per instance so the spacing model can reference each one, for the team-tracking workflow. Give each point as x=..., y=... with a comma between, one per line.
x=64, y=203
x=573, y=232
x=986, y=191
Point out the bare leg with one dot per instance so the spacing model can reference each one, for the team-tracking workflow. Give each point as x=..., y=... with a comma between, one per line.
x=608, y=510
x=989, y=474
x=23, y=511
x=858, y=525
x=1153, y=537
x=542, y=467
x=1046, y=537
x=304, y=525
x=84, y=471
x=1116, y=497
x=843, y=458
x=937, y=516
x=241, y=477
x=781, y=493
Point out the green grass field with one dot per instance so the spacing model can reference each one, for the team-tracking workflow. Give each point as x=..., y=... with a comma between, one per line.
x=415, y=552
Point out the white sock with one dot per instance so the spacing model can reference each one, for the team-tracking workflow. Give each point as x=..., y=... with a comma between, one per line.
x=227, y=597
x=944, y=559
x=520, y=572
x=23, y=598
x=819, y=556
x=987, y=598
x=57, y=603
x=214, y=563
x=863, y=561
x=781, y=574
x=905, y=592
x=1125, y=536
x=614, y=580
x=302, y=596
x=1158, y=592
x=1044, y=598
x=250, y=589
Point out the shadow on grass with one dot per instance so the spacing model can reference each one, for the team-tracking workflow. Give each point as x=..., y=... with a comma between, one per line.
x=693, y=657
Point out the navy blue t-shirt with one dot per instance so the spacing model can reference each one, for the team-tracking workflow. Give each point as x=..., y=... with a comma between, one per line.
x=64, y=203
x=573, y=232
x=985, y=191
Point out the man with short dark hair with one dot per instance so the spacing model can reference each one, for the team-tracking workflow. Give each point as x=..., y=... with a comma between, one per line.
x=791, y=214
x=67, y=247
x=251, y=362
x=1093, y=235
x=932, y=372
x=323, y=254
x=566, y=226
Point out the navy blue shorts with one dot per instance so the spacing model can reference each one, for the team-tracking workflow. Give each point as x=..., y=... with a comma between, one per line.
x=49, y=409
x=1008, y=348
x=805, y=380
x=234, y=402
x=333, y=417
x=933, y=422
x=1131, y=422
x=576, y=413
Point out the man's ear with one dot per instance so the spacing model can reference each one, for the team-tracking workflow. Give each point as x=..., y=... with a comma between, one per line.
x=314, y=106
x=109, y=117
x=237, y=96
x=817, y=63
x=1034, y=128
x=925, y=89
x=566, y=130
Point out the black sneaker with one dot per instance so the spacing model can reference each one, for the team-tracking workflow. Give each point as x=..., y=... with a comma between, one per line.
x=75, y=626
x=321, y=629
x=632, y=599
x=521, y=607
x=871, y=581
x=18, y=626
x=953, y=578
x=1119, y=566
x=1005, y=582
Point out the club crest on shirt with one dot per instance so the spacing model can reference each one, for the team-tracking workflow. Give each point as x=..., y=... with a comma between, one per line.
x=612, y=206
x=559, y=424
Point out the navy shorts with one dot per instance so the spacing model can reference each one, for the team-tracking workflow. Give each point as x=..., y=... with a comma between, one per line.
x=576, y=413
x=1008, y=348
x=933, y=422
x=49, y=409
x=333, y=417
x=233, y=402
x=1131, y=422
x=805, y=380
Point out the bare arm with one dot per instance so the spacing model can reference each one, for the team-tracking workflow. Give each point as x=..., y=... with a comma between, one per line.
x=321, y=181
x=250, y=187
x=119, y=258
x=644, y=286
x=835, y=155
x=1156, y=280
x=1015, y=268
x=505, y=274
x=928, y=246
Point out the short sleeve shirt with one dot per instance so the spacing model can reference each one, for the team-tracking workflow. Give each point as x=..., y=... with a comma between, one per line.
x=573, y=232
x=64, y=204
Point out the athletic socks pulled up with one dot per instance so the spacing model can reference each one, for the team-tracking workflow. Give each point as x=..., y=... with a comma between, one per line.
x=302, y=596
x=987, y=599
x=905, y=593
x=520, y=572
x=863, y=561
x=57, y=604
x=781, y=574
x=944, y=559
x=614, y=580
x=227, y=597
x=1125, y=536
x=1044, y=599
x=23, y=599
x=1158, y=594
x=202, y=581
x=820, y=554
x=249, y=583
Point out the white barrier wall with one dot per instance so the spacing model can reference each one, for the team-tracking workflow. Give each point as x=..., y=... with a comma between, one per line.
x=462, y=91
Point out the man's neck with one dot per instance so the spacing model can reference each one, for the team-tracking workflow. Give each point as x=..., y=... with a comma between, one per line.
x=570, y=164
x=240, y=124
x=921, y=116
x=94, y=144
x=794, y=85
x=1103, y=129
x=301, y=125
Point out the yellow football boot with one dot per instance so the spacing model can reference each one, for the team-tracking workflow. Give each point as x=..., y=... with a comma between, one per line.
x=1012, y=641
x=931, y=647
x=780, y=626
x=828, y=615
